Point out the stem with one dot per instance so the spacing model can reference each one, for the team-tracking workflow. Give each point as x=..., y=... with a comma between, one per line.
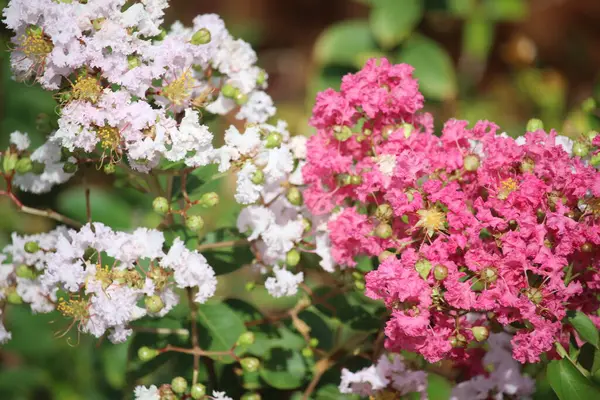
x=161, y=331
x=320, y=367
x=220, y=245
x=563, y=353
x=196, y=346
x=88, y=207
x=41, y=213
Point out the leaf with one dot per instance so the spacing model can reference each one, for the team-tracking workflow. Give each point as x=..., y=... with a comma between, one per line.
x=340, y=43
x=433, y=67
x=227, y=259
x=438, y=387
x=223, y=328
x=283, y=369
x=584, y=327
x=478, y=36
x=106, y=207
x=568, y=383
x=392, y=21
x=506, y=10
x=114, y=363
x=331, y=392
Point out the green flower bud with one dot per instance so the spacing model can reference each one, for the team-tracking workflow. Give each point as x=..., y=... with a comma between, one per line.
x=246, y=339
x=307, y=224
x=24, y=165
x=194, y=223
x=249, y=286
x=23, y=271
x=109, y=169
x=527, y=165
x=12, y=297
x=595, y=160
x=10, y=162
x=581, y=149
x=489, y=275
x=241, y=98
x=273, y=140
x=209, y=199
x=307, y=352
x=179, y=385
x=384, y=212
x=535, y=295
x=440, y=272
x=154, y=304
x=261, y=78
x=367, y=132
x=408, y=128
x=471, y=162
x=198, y=391
x=534, y=125
x=257, y=177
x=250, y=364
x=229, y=91
x=480, y=333
x=133, y=61
x=458, y=341
x=160, y=205
x=201, y=36
x=423, y=267
x=69, y=167
x=591, y=135
x=314, y=342
x=588, y=105
x=292, y=258
x=383, y=230
x=355, y=179
x=342, y=133
x=37, y=167
x=360, y=285
x=168, y=395
x=384, y=255
x=294, y=196
x=251, y=396
x=31, y=247
x=146, y=353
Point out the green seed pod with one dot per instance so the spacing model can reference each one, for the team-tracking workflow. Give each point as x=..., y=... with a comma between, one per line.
x=241, y=98
x=273, y=140
x=146, y=353
x=383, y=230
x=10, y=162
x=292, y=258
x=69, y=167
x=246, y=339
x=250, y=364
x=194, y=223
x=179, y=385
x=258, y=177
x=229, y=91
x=209, y=199
x=294, y=196
x=24, y=165
x=160, y=205
x=307, y=352
x=198, y=391
x=201, y=36
x=384, y=212
x=440, y=272
x=471, y=162
x=31, y=247
x=23, y=271
x=534, y=125
x=133, y=61
x=581, y=149
x=154, y=304
x=480, y=333
x=355, y=179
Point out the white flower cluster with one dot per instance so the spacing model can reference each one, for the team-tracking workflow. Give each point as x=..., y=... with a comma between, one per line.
x=387, y=375
x=106, y=274
x=505, y=378
x=48, y=157
x=153, y=393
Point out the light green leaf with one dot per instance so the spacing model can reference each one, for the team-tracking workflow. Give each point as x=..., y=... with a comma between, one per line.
x=584, y=327
x=392, y=21
x=342, y=42
x=438, y=387
x=478, y=36
x=222, y=328
x=433, y=67
x=283, y=369
x=331, y=392
x=106, y=207
x=568, y=383
x=114, y=363
x=506, y=10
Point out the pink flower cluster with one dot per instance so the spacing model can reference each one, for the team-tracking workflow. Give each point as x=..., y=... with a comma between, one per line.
x=475, y=231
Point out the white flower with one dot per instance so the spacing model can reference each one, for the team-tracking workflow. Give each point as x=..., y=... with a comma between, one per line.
x=220, y=396
x=5, y=336
x=566, y=143
x=280, y=239
x=255, y=218
x=146, y=393
x=20, y=140
x=298, y=146
x=386, y=164
x=258, y=109
x=247, y=192
x=49, y=155
x=284, y=283
x=277, y=162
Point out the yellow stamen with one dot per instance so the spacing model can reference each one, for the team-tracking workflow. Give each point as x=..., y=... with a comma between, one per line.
x=35, y=46
x=507, y=186
x=432, y=220
x=109, y=136
x=73, y=308
x=179, y=91
x=87, y=88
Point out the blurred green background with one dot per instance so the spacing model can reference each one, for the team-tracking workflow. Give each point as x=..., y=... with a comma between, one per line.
x=502, y=60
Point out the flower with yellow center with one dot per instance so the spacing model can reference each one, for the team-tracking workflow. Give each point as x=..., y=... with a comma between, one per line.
x=179, y=90
x=35, y=45
x=73, y=308
x=109, y=137
x=432, y=220
x=87, y=88
x=507, y=186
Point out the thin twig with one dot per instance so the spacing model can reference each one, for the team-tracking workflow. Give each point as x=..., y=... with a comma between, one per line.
x=220, y=245
x=42, y=213
x=195, y=344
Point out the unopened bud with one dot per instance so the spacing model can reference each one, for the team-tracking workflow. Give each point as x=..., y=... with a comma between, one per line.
x=273, y=140
x=360, y=285
x=201, y=36
x=383, y=230
x=251, y=396
x=241, y=98
x=257, y=177
x=440, y=272
x=307, y=224
x=209, y=199
x=179, y=385
x=160, y=205
x=12, y=297
x=198, y=391
x=10, y=162
x=527, y=165
x=294, y=196
x=355, y=179
x=23, y=271
x=595, y=160
x=146, y=353
x=133, y=61
x=408, y=129
x=292, y=258
x=342, y=133
x=250, y=364
x=261, y=78
x=307, y=352
x=246, y=339
x=154, y=304
x=229, y=91
x=31, y=247
x=534, y=125
x=384, y=212
x=581, y=149
x=194, y=223
x=471, y=162
x=24, y=165
x=480, y=333
x=489, y=275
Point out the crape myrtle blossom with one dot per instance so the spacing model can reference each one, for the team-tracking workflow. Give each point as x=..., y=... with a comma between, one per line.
x=469, y=221
x=106, y=275
x=388, y=377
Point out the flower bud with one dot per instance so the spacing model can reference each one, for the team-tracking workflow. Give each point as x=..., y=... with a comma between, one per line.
x=194, y=223
x=581, y=149
x=292, y=258
x=251, y=396
x=133, y=61
x=591, y=135
x=423, y=267
x=241, y=98
x=69, y=167
x=480, y=333
x=249, y=286
x=229, y=91
x=261, y=78
x=355, y=179
x=209, y=199
x=31, y=247
x=383, y=230
x=273, y=140
x=534, y=125
x=37, y=167
x=154, y=304
x=384, y=212
x=250, y=364
x=258, y=177
x=360, y=285
x=387, y=131
x=408, y=129
x=535, y=295
x=307, y=352
x=489, y=275
x=440, y=272
x=160, y=205
x=201, y=36
x=24, y=165
x=294, y=196
x=471, y=162
x=146, y=353
x=595, y=160
x=587, y=247
x=458, y=341
x=367, y=132
x=12, y=297
x=384, y=255
x=179, y=385
x=23, y=271
x=307, y=224
x=10, y=162
x=527, y=165
x=198, y=391
x=246, y=339
x=109, y=169
x=342, y=133
x=314, y=342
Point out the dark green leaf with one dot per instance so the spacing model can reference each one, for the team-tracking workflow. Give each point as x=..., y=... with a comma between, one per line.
x=433, y=67
x=584, y=327
x=568, y=383
x=226, y=259
x=114, y=363
x=392, y=21
x=283, y=369
x=438, y=387
x=341, y=43
x=222, y=328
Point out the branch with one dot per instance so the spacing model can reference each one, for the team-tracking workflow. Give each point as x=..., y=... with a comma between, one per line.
x=48, y=213
x=220, y=245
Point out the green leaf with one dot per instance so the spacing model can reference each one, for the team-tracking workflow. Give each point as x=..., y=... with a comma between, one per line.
x=331, y=392
x=506, y=10
x=227, y=259
x=478, y=36
x=222, y=328
x=584, y=327
x=568, y=383
x=106, y=207
x=283, y=369
x=114, y=363
x=342, y=42
x=433, y=67
x=438, y=387
x=392, y=21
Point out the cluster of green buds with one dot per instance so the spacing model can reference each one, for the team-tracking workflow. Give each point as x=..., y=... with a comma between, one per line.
x=231, y=92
